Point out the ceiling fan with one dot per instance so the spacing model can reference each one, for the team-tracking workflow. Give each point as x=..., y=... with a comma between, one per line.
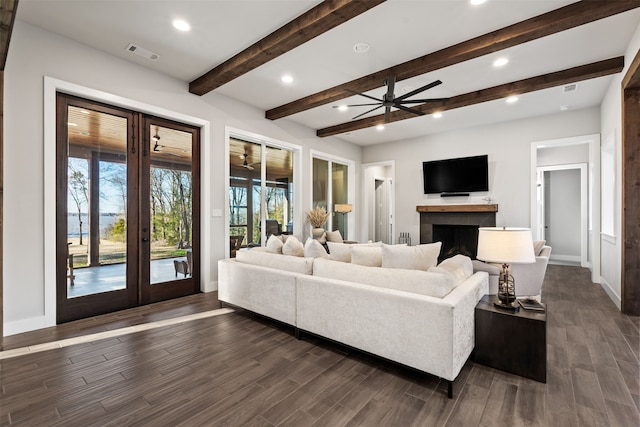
x=158, y=148
x=246, y=164
x=389, y=99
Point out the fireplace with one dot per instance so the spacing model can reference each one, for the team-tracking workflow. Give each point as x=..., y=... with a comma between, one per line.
x=456, y=226
x=456, y=239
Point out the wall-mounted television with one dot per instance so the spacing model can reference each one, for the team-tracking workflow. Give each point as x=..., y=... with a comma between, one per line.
x=456, y=176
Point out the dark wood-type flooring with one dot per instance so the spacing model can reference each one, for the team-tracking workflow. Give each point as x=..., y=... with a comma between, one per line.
x=239, y=370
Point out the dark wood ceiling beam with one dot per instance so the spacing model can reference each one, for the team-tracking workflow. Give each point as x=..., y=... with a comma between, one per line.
x=558, y=20
x=545, y=81
x=320, y=19
x=8, y=10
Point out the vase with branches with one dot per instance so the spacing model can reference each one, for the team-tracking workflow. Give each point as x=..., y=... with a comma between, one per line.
x=317, y=217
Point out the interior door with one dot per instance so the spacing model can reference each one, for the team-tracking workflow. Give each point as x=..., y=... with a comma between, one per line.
x=128, y=224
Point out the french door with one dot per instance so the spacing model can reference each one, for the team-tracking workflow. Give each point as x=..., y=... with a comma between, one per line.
x=128, y=222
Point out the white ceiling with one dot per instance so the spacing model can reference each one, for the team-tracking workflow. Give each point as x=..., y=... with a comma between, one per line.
x=397, y=31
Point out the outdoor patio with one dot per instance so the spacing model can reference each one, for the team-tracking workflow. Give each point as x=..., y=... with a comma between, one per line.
x=111, y=277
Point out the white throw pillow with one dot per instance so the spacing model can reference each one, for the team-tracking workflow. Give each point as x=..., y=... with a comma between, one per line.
x=537, y=246
x=370, y=256
x=339, y=251
x=421, y=257
x=459, y=267
x=313, y=249
x=334, y=236
x=293, y=246
x=274, y=245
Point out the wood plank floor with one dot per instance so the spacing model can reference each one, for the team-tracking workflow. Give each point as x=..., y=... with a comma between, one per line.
x=238, y=369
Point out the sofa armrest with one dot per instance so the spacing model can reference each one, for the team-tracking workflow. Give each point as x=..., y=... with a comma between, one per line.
x=263, y=290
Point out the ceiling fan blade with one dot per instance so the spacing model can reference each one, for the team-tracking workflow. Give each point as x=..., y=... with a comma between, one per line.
x=387, y=112
x=367, y=112
x=363, y=94
x=409, y=110
x=359, y=105
x=391, y=85
x=420, y=89
x=423, y=101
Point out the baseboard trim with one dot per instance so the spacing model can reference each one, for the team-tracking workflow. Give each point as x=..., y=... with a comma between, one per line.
x=210, y=287
x=27, y=325
x=611, y=293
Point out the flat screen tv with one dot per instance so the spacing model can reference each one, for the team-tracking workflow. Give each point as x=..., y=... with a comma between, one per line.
x=455, y=176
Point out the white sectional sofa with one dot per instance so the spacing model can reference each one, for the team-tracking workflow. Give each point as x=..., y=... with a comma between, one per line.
x=421, y=319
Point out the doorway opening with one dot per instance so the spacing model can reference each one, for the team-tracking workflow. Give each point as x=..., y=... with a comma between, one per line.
x=128, y=222
x=378, y=179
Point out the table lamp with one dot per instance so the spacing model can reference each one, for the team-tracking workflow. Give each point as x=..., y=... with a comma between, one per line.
x=506, y=245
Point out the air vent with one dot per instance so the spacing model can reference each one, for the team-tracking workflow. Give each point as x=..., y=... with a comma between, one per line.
x=140, y=51
x=570, y=88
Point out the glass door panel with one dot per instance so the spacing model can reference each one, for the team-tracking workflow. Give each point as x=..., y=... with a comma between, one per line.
x=96, y=202
x=169, y=213
x=339, y=195
x=171, y=230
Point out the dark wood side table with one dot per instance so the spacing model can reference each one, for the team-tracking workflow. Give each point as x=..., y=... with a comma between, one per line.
x=511, y=342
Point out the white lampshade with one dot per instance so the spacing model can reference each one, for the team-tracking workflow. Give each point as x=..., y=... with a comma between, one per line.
x=505, y=245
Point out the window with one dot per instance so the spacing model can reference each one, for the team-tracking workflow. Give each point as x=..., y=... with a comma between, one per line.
x=332, y=180
x=261, y=191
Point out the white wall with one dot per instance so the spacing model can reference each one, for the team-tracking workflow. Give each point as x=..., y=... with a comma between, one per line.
x=611, y=125
x=563, y=155
x=35, y=54
x=509, y=148
x=562, y=213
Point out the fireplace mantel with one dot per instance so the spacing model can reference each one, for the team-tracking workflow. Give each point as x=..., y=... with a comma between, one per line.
x=458, y=208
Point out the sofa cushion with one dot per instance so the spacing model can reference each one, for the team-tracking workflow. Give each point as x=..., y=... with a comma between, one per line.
x=459, y=267
x=420, y=257
x=334, y=236
x=281, y=262
x=537, y=246
x=339, y=251
x=293, y=246
x=370, y=256
x=274, y=244
x=416, y=281
x=313, y=249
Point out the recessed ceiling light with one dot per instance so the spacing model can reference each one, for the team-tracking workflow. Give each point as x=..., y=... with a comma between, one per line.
x=343, y=108
x=287, y=79
x=181, y=25
x=512, y=99
x=500, y=62
x=564, y=108
x=437, y=115
x=380, y=127
x=476, y=2
x=361, y=47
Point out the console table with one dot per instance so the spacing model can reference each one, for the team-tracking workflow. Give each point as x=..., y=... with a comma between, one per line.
x=512, y=342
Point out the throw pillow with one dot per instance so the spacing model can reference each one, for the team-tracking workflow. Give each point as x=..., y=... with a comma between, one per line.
x=274, y=245
x=459, y=267
x=370, y=256
x=537, y=246
x=293, y=246
x=334, y=236
x=313, y=249
x=421, y=257
x=322, y=239
x=339, y=251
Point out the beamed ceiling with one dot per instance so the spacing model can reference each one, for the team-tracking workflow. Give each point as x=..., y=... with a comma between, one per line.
x=240, y=49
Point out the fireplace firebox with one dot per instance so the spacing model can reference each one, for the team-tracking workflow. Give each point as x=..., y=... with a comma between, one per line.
x=456, y=226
